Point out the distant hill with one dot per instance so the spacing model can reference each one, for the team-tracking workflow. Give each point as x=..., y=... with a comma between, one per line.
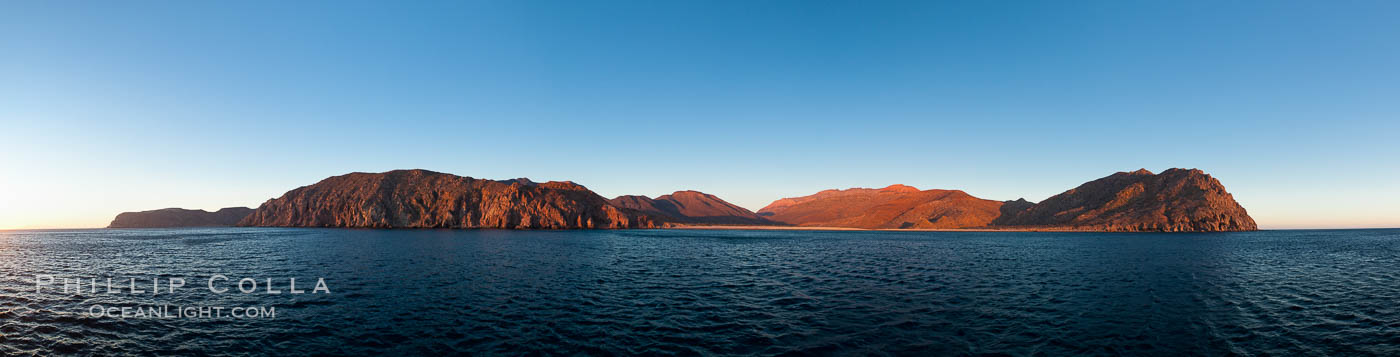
x=692, y=207
x=893, y=207
x=179, y=217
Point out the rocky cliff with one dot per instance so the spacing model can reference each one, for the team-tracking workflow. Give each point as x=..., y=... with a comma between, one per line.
x=426, y=199
x=179, y=217
x=1177, y=200
x=692, y=207
x=893, y=207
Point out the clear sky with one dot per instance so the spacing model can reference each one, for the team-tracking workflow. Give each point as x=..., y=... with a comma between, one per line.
x=111, y=106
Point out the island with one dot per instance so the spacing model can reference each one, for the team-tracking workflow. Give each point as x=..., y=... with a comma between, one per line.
x=1176, y=200
x=179, y=217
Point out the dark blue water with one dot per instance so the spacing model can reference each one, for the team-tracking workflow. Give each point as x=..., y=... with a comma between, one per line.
x=424, y=292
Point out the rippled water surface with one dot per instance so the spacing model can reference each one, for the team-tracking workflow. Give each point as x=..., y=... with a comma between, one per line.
x=712, y=292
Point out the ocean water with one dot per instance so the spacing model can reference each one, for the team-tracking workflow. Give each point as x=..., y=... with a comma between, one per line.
x=692, y=292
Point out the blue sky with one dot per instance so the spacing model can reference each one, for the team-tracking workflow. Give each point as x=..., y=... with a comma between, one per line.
x=118, y=106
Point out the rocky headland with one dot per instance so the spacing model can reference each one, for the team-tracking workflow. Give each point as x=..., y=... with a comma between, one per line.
x=1176, y=200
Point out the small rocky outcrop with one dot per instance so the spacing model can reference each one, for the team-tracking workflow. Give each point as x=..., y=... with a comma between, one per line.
x=179, y=217
x=426, y=199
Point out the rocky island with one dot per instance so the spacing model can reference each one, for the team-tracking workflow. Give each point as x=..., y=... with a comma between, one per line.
x=1177, y=200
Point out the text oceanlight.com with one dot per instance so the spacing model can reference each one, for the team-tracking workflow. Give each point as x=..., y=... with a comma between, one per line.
x=186, y=312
